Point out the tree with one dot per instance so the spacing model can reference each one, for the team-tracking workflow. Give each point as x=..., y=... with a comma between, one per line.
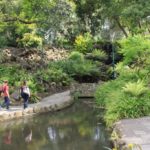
x=43, y=17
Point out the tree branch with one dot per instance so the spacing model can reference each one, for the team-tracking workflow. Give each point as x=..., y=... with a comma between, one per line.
x=120, y=26
x=20, y=20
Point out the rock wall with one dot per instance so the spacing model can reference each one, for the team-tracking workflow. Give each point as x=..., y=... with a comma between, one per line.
x=84, y=89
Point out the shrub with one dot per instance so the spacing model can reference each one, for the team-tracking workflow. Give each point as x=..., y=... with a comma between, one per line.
x=135, y=88
x=54, y=75
x=99, y=54
x=128, y=95
x=3, y=41
x=30, y=40
x=119, y=103
x=133, y=47
x=103, y=91
x=34, y=98
x=84, y=43
x=76, y=56
x=77, y=67
x=126, y=106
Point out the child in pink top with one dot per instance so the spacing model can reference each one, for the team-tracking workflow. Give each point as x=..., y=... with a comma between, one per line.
x=6, y=95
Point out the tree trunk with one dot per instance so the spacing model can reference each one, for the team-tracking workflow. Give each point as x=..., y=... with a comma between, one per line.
x=121, y=27
x=140, y=26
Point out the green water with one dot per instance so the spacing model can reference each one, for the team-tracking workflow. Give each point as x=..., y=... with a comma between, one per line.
x=75, y=128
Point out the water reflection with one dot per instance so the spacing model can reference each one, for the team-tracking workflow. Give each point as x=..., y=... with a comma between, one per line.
x=7, y=137
x=52, y=134
x=27, y=134
x=97, y=134
x=73, y=129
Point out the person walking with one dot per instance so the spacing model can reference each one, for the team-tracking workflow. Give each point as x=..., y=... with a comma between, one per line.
x=25, y=94
x=6, y=102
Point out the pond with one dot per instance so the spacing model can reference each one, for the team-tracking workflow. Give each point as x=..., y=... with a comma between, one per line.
x=75, y=128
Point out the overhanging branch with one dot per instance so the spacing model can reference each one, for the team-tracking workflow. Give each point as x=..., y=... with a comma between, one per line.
x=20, y=20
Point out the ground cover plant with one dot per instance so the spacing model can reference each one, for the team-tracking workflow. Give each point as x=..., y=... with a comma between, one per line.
x=128, y=96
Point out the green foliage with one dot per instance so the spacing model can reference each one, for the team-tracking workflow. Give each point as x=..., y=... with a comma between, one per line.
x=54, y=75
x=126, y=106
x=15, y=76
x=128, y=95
x=76, y=56
x=3, y=41
x=135, y=88
x=123, y=102
x=84, y=43
x=133, y=47
x=99, y=54
x=102, y=92
x=19, y=74
x=77, y=66
x=34, y=98
x=30, y=40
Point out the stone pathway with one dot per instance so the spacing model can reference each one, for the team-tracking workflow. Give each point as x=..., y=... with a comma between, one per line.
x=135, y=131
x=52, y=103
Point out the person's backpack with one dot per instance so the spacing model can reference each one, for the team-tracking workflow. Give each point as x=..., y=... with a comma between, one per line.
x=26, y=90
x=1, y=89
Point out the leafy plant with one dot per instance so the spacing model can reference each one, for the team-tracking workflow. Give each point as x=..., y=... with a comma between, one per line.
x=31, y=40
x=76, y=56
x=34, y=98
x=135, y=88
x=132, y=47
x=84, y=43
x=99, y=54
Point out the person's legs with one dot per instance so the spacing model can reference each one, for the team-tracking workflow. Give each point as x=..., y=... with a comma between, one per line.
x=6, y=102
x=26, y=97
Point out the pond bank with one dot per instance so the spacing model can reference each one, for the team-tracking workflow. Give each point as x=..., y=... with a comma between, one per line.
x=51, y=103
x=133, y=131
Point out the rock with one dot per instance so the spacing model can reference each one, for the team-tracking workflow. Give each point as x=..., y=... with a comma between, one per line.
x=18, y=114
x=30, y=110
x=51, y=103
x=36, y=109
x=84, y=89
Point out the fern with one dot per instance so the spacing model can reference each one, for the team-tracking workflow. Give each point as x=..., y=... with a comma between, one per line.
x=135, y=88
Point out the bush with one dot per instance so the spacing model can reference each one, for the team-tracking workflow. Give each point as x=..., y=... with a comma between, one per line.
x=126, y=106
x=30, y=40
x=128, y=96
x=76, y=56
x=102, y=92
x=133, y=47
x=99, y=54
x=135, y=88
x=84, y=43
x=54, y=75
x=3, y=41
x=34, y=98
x=77, y=66
x=122, y=101
x=16, y=75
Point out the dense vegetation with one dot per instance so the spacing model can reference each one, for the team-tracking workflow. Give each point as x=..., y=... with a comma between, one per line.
x=128, y=96
x=53, y=76
x=89, y=30
x=58, y=22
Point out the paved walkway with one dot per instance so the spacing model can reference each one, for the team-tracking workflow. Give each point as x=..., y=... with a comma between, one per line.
x=135, y=131
x=51, y=103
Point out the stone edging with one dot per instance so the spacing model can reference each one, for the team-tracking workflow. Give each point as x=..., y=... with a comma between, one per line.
x=52, y=103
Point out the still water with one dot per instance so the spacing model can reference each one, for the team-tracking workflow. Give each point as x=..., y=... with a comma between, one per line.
x=75, y=128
